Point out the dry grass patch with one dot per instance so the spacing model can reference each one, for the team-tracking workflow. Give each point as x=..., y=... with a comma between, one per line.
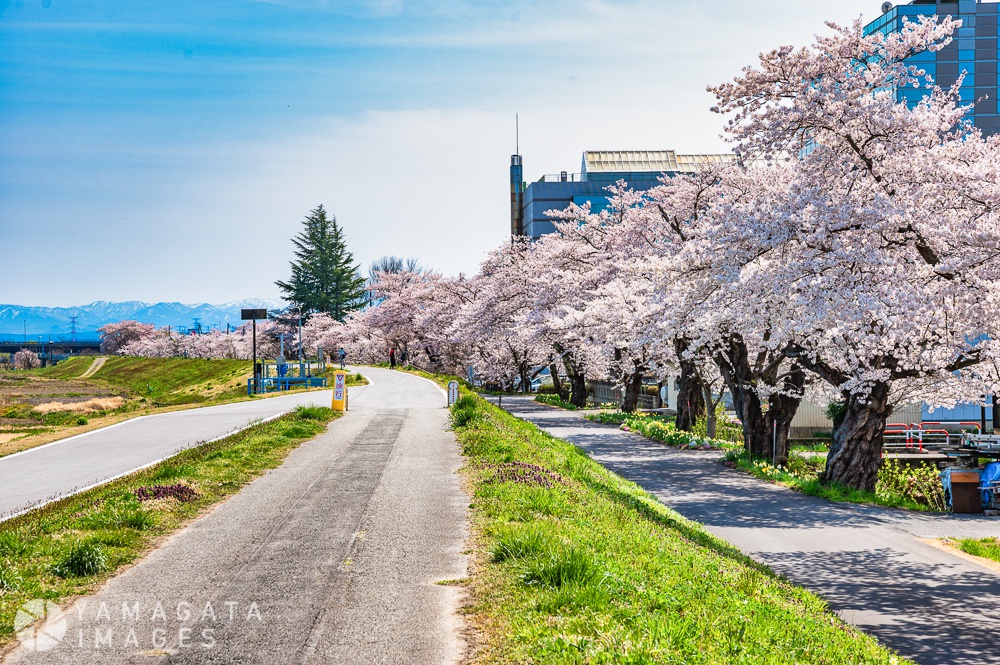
x=89, y=406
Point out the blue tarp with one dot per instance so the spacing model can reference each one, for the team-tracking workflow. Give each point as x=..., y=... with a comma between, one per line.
x=989, y=477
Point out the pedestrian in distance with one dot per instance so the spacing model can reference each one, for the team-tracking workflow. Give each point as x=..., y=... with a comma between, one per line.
x=403, y=358
x=392, y=358
x=343, y=357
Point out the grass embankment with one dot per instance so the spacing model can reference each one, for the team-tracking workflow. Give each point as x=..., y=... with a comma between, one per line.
x=899, y=486
x=165, y=381
x=44, y=405
x=70, y=547
x=576, y=565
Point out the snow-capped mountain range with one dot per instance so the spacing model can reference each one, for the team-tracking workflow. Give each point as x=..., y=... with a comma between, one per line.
x=55, y=321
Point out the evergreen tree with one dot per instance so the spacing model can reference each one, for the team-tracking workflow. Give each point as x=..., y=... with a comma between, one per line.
x=324, y=276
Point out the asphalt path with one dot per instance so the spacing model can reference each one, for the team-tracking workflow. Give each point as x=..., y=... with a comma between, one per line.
x=337, y=556
x=871, y=564
x=39, y=475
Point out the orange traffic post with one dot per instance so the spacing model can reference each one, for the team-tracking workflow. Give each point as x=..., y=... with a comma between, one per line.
x=339, y=391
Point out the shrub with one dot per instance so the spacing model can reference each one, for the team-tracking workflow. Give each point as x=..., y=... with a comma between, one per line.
x=121, y=516
x=920, y=484
x=10, y=579
x=81, y=421
x=321, y=413
x=564, y=567
x=463, y=417
x=82, y=560
x=465, y=401
x=12, y=545
x=520, y=543
x=464, y=411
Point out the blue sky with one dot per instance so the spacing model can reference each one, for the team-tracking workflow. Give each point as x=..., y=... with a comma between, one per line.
x=167, y=150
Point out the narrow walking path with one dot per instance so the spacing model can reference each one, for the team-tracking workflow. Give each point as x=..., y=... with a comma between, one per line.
x=334, y=557
x=94, y=367
x=867, y=562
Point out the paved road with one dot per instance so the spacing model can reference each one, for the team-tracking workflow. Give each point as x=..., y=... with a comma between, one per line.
x=57, y=469
x=869, y=563
x=334, y=557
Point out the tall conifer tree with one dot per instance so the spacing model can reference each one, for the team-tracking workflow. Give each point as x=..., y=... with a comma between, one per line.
x=324, y=275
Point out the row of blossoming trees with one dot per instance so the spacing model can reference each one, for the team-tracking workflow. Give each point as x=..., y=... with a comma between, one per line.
x=851, y=253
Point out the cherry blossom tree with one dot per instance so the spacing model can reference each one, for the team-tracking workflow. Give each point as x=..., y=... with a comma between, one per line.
x=501, y=348
x=26, y=359
x=881, y=264
x=115, y=336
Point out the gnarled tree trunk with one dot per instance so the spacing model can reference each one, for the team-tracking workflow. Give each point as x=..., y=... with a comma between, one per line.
x=690, y=395
x=765, y=435
x=856, y=451
x=575, y=374
x=632, y=389
x=557, y=382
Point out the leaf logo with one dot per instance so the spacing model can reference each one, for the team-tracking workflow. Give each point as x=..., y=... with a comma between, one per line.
x=40, y=625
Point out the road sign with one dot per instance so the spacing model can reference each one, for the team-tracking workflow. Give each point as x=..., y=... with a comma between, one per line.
x=452, y=392
x=253, y=314
x=339, y=391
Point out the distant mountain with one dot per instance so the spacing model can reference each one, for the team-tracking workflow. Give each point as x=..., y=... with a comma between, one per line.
x=55, y=321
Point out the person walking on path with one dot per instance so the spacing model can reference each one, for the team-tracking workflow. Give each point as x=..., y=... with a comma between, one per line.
x=392, y=358
x=404, y=358
x=343, y=357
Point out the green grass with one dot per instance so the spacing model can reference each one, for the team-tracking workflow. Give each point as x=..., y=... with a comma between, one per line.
x=70, y=547
x=555, y=400
x=576, y=565
x=660, y=428
x=988, y=548
x=915, y=488
x=70, y=368
x=169, y=381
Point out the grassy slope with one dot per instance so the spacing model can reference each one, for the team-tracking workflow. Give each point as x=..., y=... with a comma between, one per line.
x=595, y=570
x=112, y=521
x=70, y=368
x=169, y=381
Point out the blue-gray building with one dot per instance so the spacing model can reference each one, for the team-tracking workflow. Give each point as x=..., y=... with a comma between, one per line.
x=973, y=49
x=641, y=169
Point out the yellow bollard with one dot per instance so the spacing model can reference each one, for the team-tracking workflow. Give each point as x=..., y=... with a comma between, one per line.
x=339, y=391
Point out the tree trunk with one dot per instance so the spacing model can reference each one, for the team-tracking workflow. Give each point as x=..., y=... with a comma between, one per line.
x=576, y=376
x=690, y=396
x=760, y=435
x=525, y=373
x=633, y=387
x=782, y=411
x=557, y=382
x=856, y=451
x=710, y=424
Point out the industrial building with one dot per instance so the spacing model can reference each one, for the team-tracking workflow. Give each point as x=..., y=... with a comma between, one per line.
x=973, y=50
x=641, y=169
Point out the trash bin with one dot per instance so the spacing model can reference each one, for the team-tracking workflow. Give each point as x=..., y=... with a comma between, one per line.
x=961, y=487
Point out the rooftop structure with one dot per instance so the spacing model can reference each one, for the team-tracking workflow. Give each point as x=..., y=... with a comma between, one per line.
x=640, y=169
